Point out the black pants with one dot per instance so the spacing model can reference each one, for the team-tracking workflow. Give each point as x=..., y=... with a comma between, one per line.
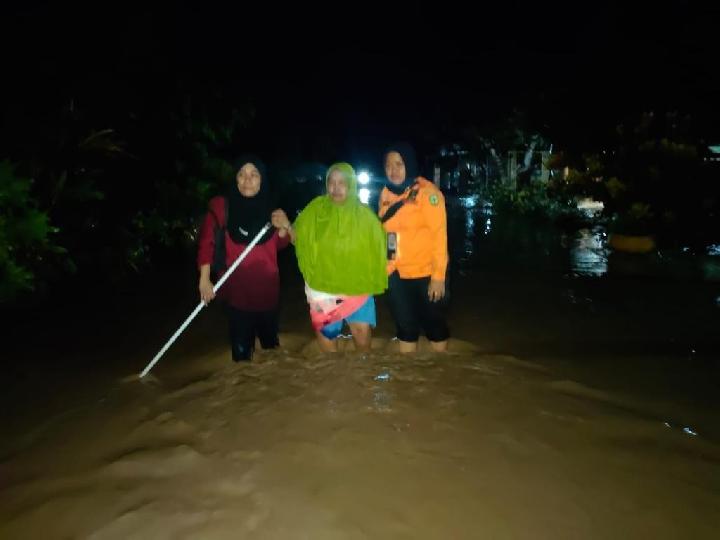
x=413, y=311
x=245, y=326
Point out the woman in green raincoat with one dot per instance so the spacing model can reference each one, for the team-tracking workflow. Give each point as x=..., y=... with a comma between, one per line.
x=341, y=250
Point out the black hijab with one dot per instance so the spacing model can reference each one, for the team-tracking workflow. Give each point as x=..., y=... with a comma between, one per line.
x=248, y=215
x=407, y=152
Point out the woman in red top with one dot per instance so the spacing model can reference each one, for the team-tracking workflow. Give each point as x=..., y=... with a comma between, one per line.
x=251, y=293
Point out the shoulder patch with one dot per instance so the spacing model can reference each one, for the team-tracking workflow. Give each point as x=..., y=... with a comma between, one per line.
x=434, y=199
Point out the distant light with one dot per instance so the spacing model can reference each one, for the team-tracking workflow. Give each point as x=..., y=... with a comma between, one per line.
x=363, y=177
x=364, y=194
x=590, y=207
x=589, y=204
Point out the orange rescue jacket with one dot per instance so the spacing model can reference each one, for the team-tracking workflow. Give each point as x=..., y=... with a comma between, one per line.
x=421, y=229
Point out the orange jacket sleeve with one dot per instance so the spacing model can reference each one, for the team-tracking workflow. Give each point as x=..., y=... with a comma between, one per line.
x=433, y=205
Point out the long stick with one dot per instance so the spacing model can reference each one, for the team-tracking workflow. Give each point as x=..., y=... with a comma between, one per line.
x=201, y=305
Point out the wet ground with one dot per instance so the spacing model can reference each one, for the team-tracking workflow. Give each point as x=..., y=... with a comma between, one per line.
x=579, y=401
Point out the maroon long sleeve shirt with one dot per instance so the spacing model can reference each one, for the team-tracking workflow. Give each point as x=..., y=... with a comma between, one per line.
x=255, y=283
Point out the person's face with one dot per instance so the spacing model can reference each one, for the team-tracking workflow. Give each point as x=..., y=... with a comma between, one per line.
x=248, y=180
x=337, y=187
x=395, y=168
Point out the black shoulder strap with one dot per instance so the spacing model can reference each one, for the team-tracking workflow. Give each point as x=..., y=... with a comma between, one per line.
x=393, y=209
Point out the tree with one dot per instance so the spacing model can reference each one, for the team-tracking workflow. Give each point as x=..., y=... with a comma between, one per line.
x=494, y=142
x=26, y=235
x=650, y=177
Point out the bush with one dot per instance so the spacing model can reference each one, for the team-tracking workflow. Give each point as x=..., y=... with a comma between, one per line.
x=25, y=234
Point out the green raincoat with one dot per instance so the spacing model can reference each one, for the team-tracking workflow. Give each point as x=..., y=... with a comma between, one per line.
x=341, y=248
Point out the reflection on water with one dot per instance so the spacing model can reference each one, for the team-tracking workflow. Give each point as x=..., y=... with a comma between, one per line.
x=468, y=208
x=589, y=252
x=478, y=238
x=487, y=213
x=686, y=430
x=469, y=232
x=482, y=239
x=470, y=201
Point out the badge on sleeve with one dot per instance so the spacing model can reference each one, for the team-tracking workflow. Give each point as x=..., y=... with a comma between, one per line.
x=434, y=199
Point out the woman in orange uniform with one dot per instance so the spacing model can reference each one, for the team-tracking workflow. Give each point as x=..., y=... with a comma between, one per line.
x=412, y=210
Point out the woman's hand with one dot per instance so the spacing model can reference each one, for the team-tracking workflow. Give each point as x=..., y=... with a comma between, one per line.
x=206, y=290
x=436, y=290
x=280, y=220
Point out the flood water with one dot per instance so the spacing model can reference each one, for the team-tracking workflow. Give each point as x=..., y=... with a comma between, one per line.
x=579, y=400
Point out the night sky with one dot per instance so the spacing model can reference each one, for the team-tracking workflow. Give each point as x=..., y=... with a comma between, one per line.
x=360, y=76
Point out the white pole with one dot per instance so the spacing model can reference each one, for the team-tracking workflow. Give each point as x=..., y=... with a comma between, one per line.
x=201, y=305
